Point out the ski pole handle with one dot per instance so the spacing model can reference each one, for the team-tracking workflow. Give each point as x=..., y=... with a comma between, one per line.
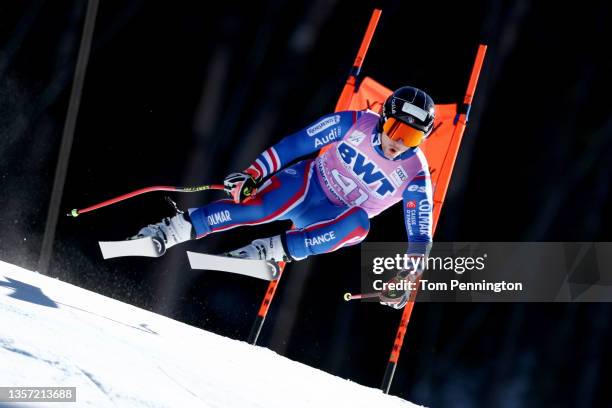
x=75, y=212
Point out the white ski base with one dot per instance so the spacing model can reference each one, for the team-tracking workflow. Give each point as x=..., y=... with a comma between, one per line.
x=117, y=355
x=132, y=247
x=249, y=267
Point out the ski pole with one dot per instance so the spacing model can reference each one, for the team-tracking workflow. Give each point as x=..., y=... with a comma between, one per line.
x=75, y=212
x=354, y=296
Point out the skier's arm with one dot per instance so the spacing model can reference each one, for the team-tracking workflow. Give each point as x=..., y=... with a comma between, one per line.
x=322, y=132
x=418, y=206
x=327, y=129
x=418, y=218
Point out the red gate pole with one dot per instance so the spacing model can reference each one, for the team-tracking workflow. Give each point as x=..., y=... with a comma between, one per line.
x=265, y=305
x=350, y=87
x=344, y=102
x=460, y=124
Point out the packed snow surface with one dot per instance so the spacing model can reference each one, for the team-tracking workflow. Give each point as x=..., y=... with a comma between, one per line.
x=117, y=355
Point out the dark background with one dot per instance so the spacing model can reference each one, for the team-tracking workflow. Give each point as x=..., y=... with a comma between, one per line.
x=184, y=93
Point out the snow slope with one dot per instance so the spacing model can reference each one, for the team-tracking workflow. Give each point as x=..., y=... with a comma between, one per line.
x=56, y=334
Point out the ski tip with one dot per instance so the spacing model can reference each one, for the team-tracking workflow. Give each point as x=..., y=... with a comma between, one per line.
x=145, y=247
x=190, y=258
x=105, y=253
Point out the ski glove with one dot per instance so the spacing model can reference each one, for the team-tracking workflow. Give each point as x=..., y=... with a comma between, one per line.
x=242, y=186
x=397, y=298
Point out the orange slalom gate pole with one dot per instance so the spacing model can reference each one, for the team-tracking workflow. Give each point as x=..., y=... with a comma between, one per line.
x=350, y=87
x=344, y=102
x=460, y=124
x=265, y=305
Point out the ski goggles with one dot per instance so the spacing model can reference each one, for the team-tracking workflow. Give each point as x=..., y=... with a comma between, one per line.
x=399, y=131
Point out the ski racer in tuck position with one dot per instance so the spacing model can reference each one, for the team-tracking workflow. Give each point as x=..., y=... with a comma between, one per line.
x=373, y=162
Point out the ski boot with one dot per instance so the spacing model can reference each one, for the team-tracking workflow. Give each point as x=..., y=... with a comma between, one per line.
x=169, y=231
x=266, y=249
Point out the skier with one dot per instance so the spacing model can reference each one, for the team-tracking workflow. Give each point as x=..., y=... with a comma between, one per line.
x=373, y=161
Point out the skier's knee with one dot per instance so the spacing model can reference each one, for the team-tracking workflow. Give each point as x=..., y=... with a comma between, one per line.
x=361, y=220
x=359, y=224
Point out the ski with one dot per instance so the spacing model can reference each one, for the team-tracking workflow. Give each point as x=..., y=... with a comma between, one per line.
x=265, y=270
x=147, y=246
